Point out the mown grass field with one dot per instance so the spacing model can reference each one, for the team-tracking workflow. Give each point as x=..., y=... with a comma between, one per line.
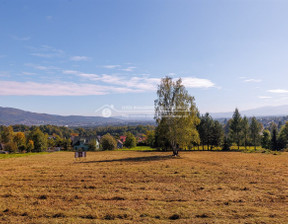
x=16, y=155
x=145, y=187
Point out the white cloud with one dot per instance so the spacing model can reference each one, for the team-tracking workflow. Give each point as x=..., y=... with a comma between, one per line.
x=28, y=73
x=129, y=69
x=111, y=66
x=113, y=79
x=41, y=55
x=140, y=83
x=252, y=80
x=4, y=74
x=89, y=76
x=264, y=97
x=46, y=51
x=197, y=83
x=70, y=72
x=80, y=58
x=42, y=67
x=278, y=91
x=144, y=83
x=14, y=37
x=57, y=89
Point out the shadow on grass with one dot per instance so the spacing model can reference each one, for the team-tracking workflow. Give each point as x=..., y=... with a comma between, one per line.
x=133, y=159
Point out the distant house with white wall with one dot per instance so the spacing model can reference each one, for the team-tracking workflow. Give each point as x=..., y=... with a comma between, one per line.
x=84, y=143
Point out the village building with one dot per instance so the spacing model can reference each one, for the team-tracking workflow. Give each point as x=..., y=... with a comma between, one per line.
x=84, y=143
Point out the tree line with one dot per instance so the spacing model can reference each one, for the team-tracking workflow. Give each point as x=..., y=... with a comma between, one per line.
x=180, y=126
x=22, y=138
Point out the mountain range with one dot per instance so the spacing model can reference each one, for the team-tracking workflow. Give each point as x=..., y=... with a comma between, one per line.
x=257, y=112
x=11, y=116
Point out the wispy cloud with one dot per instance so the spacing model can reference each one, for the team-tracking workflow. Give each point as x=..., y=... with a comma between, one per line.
x=264, y=97
x=4, y=74
x=278, y=91
x=42, y=55
x=28, y=73
x=25, y=38
x=253, y=80
x=111, y=66
x=70, y=72
x=129, y=69
x=89, y=76
x=42, y=67
x=57, y=89
x=197, y=83
x=80, y=58
x=144, y=83
x=90, y=83
x=46, y=51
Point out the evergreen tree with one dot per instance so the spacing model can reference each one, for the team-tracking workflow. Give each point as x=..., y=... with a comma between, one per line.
x=283, y=136
x=274, y=137
x=245, y=131
x=255, y=132
x=236, y=128
x=266, y=139
x=217, y=134
x=205, y=129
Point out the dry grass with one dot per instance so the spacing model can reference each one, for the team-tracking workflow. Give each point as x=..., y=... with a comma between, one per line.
x=145, y=187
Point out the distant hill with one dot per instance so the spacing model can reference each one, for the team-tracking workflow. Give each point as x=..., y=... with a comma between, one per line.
x=10, y=116
x=257, y=112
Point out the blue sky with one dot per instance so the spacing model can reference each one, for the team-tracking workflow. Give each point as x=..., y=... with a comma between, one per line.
x=73, y=57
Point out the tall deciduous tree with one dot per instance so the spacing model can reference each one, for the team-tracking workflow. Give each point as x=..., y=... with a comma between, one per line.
x=176, y=116
x=7, y=134
x=40, y=140
x=255, y=132
x=30, y=146
x=20, y=141
x=236, y=128
x=150, y=138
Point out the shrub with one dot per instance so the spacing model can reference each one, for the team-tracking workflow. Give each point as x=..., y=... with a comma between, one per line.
x=130, y=141
x=108, y=142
